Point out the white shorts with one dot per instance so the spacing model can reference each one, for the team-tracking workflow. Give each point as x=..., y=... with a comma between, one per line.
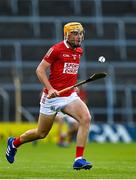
x=53, y=105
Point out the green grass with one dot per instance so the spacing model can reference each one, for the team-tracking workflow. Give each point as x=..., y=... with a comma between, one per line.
x=49, y=161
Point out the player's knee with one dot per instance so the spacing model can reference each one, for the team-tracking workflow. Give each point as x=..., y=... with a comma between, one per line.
x=86, y=120
x=41, y=135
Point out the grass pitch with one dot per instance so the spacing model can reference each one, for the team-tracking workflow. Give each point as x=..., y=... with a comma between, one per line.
x=49, y=161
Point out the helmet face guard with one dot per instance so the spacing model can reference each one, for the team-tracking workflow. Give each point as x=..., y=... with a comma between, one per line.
x=77, y=30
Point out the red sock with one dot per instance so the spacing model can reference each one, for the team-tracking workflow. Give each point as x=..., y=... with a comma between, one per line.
x=79, y=151
x=17, y=142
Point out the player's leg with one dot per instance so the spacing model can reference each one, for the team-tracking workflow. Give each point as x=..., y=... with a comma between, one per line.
x=60, y=134
x=44, y=125
x=72, y=131
x=72, y=127
x=65, y=138
x=78, y=110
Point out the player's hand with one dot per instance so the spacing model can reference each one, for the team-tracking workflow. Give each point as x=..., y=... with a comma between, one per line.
x=76, y=89
x=52, y=93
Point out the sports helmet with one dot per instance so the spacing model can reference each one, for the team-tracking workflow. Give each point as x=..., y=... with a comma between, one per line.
x=72, y=26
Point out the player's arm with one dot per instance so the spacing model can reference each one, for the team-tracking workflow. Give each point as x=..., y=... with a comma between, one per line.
x=41, y=72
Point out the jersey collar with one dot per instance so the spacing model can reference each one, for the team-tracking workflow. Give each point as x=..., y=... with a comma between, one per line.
x=66, y=44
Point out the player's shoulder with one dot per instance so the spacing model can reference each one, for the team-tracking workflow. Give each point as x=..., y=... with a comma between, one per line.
x=55, y=48
x=59, y=45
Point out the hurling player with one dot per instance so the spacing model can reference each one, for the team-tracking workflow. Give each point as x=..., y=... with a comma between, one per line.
x=63, y=61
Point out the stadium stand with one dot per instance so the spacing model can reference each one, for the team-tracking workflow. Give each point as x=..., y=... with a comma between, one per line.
x=29, y=27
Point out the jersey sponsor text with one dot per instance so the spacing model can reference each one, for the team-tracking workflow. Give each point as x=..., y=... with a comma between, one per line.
x=70, y=68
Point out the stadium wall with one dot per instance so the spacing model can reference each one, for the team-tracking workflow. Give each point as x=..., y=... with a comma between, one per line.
x=15, y=129
x=98, y=132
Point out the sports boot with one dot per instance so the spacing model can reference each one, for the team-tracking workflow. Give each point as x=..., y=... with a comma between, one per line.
x=82, y=164
x=11, y=151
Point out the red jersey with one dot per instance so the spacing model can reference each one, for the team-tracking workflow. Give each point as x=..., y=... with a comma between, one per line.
x=64, y=66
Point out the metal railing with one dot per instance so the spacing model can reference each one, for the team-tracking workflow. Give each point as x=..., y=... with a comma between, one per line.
x=109, y=87
x=5, y=107
x=98, y=20
x=121, y=42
